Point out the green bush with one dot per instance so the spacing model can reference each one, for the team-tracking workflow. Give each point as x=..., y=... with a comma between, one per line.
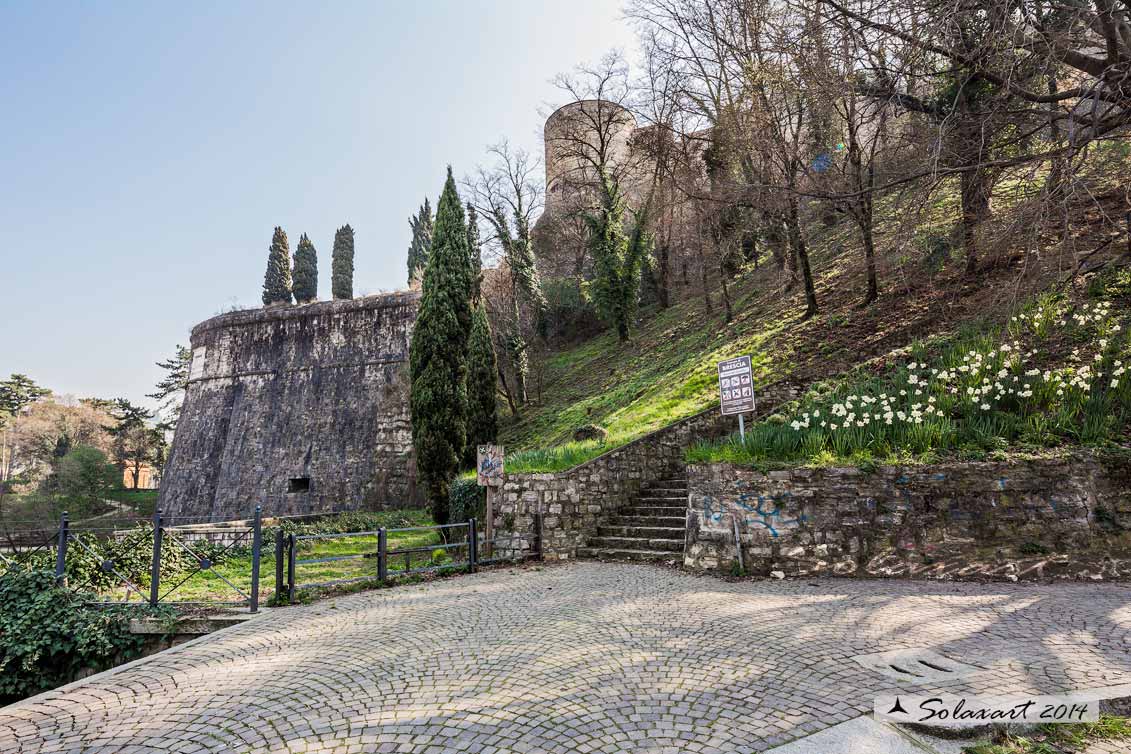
x=466, y=500
x=48, y=634
x=570, y=312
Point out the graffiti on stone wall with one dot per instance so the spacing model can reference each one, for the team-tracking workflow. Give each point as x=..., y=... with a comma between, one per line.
x=765, y=511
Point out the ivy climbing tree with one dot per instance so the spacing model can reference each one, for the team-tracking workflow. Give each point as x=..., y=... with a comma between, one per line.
x=618, y=258
x=438, y=354
x=277, y=280
x=305, y=285
x=342, y=263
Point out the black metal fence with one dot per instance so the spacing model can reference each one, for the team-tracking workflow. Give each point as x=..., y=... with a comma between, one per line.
x=463, y=547
x=151, y=562
x=155, y=560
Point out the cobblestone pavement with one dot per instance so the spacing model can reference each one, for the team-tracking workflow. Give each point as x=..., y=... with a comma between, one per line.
x=585, y=657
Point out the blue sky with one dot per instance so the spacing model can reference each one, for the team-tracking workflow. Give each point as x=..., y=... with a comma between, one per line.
x=148, y=149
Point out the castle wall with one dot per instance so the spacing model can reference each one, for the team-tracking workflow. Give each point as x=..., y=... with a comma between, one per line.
x=299, y=409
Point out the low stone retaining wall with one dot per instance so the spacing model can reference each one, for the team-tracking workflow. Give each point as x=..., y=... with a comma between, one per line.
x=572, y=502
x=1066, y=517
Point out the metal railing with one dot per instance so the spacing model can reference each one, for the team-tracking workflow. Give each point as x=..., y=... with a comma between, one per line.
x=150, y=562
x=471, y=551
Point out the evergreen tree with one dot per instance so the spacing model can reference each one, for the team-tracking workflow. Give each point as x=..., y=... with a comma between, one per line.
x=305, y=285
x=474, y=249
x=618, y=258
x=277, y=281
x=438, y=354
x=342, y=264
x=421, y=246
x=482, y=425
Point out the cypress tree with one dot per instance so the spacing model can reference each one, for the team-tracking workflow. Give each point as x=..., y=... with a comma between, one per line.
x=277, y=281
x=342, y=263
x=305, y=285
x=482, y=424
x=474, y=250
x=438, y=354
x=418, y=251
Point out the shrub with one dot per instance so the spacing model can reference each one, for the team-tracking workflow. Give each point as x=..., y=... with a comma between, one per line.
x=48, y=634
x=466, y=500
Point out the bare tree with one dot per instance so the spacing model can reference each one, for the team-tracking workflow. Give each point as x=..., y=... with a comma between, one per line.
x=508, y=196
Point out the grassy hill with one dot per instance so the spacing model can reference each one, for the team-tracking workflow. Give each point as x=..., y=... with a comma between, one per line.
x=667, y=371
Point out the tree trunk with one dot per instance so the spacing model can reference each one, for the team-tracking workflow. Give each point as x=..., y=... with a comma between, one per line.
x=728, y=312
x=801, y=254
x=506, y=389
x=663, y=273
x=975, y=208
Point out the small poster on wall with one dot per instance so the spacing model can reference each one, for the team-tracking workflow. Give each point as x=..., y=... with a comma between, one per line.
x=489, y=465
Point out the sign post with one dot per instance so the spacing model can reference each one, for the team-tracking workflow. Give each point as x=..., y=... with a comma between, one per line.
x=489, y=473
x=736, y=389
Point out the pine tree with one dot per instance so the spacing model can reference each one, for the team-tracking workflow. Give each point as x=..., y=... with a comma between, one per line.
x=438, y=354
x=305, y=285
x=474, y=249
x=421, y=246
x=342, y=263
x=482, y=424
x=277, y=281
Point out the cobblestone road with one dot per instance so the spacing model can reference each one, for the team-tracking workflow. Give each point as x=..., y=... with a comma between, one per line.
x=586, y=657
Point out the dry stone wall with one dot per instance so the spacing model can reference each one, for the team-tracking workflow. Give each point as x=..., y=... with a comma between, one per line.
x=1066, y=517
x=573, y=502
x=300, y=409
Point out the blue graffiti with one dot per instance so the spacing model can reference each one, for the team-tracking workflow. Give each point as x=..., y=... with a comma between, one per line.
x=767, y=518
x=940, y=477
x=1001, y=482
x=715, y=516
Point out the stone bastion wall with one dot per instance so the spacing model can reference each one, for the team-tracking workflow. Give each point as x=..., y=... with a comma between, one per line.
x=1061, y=517
x=300, y=409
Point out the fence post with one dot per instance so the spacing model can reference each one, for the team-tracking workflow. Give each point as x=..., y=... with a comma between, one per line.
x=278, y=565
x=382, y=555
x=472, y=546
x=61, y=550
x=290, y=568
x=155, y=571
x=256, y=545
x=538, y=550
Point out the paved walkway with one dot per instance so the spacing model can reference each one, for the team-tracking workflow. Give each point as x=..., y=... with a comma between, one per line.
x=586, y=657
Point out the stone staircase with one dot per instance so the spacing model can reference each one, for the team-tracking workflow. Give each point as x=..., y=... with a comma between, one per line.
x=652, y=527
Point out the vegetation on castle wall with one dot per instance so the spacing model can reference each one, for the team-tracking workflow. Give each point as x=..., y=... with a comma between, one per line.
x=277, y=279
x=342, y=263
x=304, y=281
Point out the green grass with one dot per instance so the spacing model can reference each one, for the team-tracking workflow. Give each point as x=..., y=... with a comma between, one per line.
x=143, y=502
x=668, y=372
x=1068, y=738
x=1053, y=375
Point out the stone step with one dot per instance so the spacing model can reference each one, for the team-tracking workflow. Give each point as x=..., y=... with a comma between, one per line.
x=668, y=499
x=604, y=553
x=636, y=543
x=665, y=521
x=653, y=532
x=663, y=488
x=647, y=509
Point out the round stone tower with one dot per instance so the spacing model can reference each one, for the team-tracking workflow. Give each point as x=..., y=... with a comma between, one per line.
x=572, y=136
